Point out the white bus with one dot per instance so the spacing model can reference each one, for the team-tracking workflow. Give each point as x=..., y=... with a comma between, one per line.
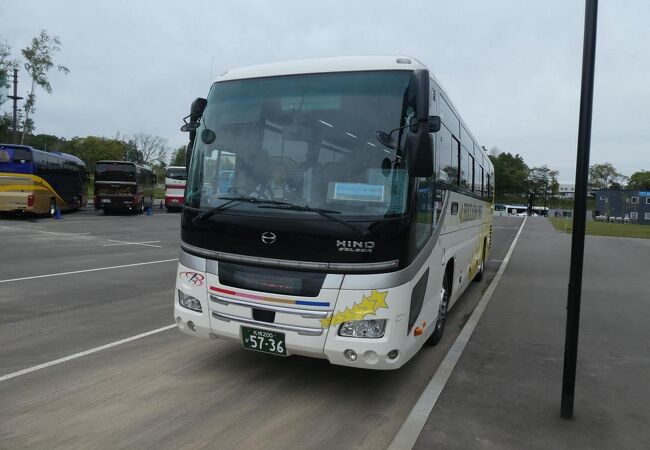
x=175, y=177
x=356, y=208
x=518, y=210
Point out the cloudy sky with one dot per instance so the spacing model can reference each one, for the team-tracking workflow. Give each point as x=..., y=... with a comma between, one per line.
x=511, y=67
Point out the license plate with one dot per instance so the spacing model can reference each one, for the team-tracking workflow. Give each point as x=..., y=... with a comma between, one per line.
x=263, y=341
x=106, y=200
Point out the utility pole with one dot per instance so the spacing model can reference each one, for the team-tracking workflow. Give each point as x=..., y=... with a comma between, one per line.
x=579, y=211
x=15, y=98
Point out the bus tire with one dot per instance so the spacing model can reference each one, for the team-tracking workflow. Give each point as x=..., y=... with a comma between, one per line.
x=481, y=269
x=445, y=295
x=51, y=210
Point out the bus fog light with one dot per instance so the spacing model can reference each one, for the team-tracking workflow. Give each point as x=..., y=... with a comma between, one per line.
x=393, y=354
x=363, y=328
x=350, y=355
x=191, y=325
x=189, y=302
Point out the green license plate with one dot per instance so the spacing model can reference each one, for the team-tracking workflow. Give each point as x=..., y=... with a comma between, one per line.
x=263, y=341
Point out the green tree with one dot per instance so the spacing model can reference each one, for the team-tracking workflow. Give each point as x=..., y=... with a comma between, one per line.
x=603, y=176
x=178, y=156
x=6, y=66
x=46, y=142
x=639, y=180
x=542, y=182
x=38, y=62
x=510, y=173
x=92, y=149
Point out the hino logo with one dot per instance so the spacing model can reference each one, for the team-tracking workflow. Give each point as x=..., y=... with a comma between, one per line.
x=355, y=246
x=268, y=237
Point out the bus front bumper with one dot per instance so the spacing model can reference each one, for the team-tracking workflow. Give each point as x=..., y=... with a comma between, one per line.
x=314, y=336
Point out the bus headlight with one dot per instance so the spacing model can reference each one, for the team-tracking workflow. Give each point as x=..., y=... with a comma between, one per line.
x=363, y=328
x=189, y=302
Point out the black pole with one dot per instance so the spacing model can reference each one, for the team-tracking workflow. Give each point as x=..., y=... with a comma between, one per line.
x=15, y=99
x=580, y=210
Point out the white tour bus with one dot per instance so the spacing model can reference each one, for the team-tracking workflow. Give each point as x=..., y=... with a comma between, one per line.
x=335, y=208
x=175, y=177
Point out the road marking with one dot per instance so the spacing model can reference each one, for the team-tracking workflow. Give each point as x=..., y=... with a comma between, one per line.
x=412, y=427
x=84, y=353
x=59, y=232
x=88, y=270
x=143, y=243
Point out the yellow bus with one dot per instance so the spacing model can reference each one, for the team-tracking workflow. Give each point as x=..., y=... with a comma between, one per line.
x=34, y=181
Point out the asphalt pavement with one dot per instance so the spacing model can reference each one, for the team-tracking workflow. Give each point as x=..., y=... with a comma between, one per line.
x=505, y=391
x=86, y=281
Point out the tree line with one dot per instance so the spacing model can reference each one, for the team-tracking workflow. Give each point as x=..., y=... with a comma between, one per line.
x=515, y=180
x=142, y=148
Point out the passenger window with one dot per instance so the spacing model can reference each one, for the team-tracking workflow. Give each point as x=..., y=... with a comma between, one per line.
x=466, y=169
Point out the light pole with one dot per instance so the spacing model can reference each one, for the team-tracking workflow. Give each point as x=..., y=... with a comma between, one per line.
x=580, y=210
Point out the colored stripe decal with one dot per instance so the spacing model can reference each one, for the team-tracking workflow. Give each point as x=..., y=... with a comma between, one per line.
x=268, y=299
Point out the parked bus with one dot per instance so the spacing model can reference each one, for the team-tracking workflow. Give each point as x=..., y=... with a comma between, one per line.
x=123, y=186
x=174, y=187
x=519, y=210
x=358, y=210
x=33, y=181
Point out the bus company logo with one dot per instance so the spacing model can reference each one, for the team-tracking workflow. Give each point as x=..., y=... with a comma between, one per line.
x=193, y=278
x=355, y=246
x=268, y=237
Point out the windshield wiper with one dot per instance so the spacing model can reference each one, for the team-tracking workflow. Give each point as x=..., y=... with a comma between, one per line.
x=323, y=212
x=232, y=201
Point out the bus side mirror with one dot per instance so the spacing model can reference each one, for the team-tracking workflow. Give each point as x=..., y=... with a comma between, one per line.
x=420, y=147
x=196, y=111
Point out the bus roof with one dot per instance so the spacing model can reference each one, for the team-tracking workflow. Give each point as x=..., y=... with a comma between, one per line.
x=65, y=156
x=115, y=161
x=323, y=65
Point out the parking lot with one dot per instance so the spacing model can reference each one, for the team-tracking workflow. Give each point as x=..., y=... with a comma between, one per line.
x=76, y=295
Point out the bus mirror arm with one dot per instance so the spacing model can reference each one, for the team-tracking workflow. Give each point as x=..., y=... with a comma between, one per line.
x=196, y=111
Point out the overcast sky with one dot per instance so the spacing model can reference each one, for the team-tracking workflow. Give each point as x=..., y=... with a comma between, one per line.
x=512, y=68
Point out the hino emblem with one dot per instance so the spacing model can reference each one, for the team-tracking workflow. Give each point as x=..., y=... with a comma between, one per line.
x=268, y=237
x=355, y=246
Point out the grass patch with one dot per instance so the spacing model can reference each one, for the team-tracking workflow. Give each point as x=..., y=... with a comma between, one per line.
x=159, y=191
x=603, y=228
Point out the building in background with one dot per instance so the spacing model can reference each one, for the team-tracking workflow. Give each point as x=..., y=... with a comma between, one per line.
x=628, y=204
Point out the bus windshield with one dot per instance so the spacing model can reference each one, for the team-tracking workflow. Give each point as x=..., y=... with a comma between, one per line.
x=304, y=139
x=115, y=171
x=15, y=159
x=176, y=174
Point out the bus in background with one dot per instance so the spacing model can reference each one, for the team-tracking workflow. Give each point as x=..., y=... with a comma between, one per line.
x=123, y=186
x=33, y=181
x=356, y=209
x=519, y=210
x=175, y=177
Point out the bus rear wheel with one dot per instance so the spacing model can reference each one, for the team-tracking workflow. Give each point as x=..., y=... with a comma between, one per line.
x=481, y=268
x=445, y=294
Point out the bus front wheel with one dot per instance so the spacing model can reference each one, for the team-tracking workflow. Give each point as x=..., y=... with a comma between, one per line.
x=445, y=294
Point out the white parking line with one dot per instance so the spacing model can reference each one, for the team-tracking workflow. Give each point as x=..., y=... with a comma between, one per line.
x=87, y=270
x=410, y=430
x=84, y=353
x=143, y=243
